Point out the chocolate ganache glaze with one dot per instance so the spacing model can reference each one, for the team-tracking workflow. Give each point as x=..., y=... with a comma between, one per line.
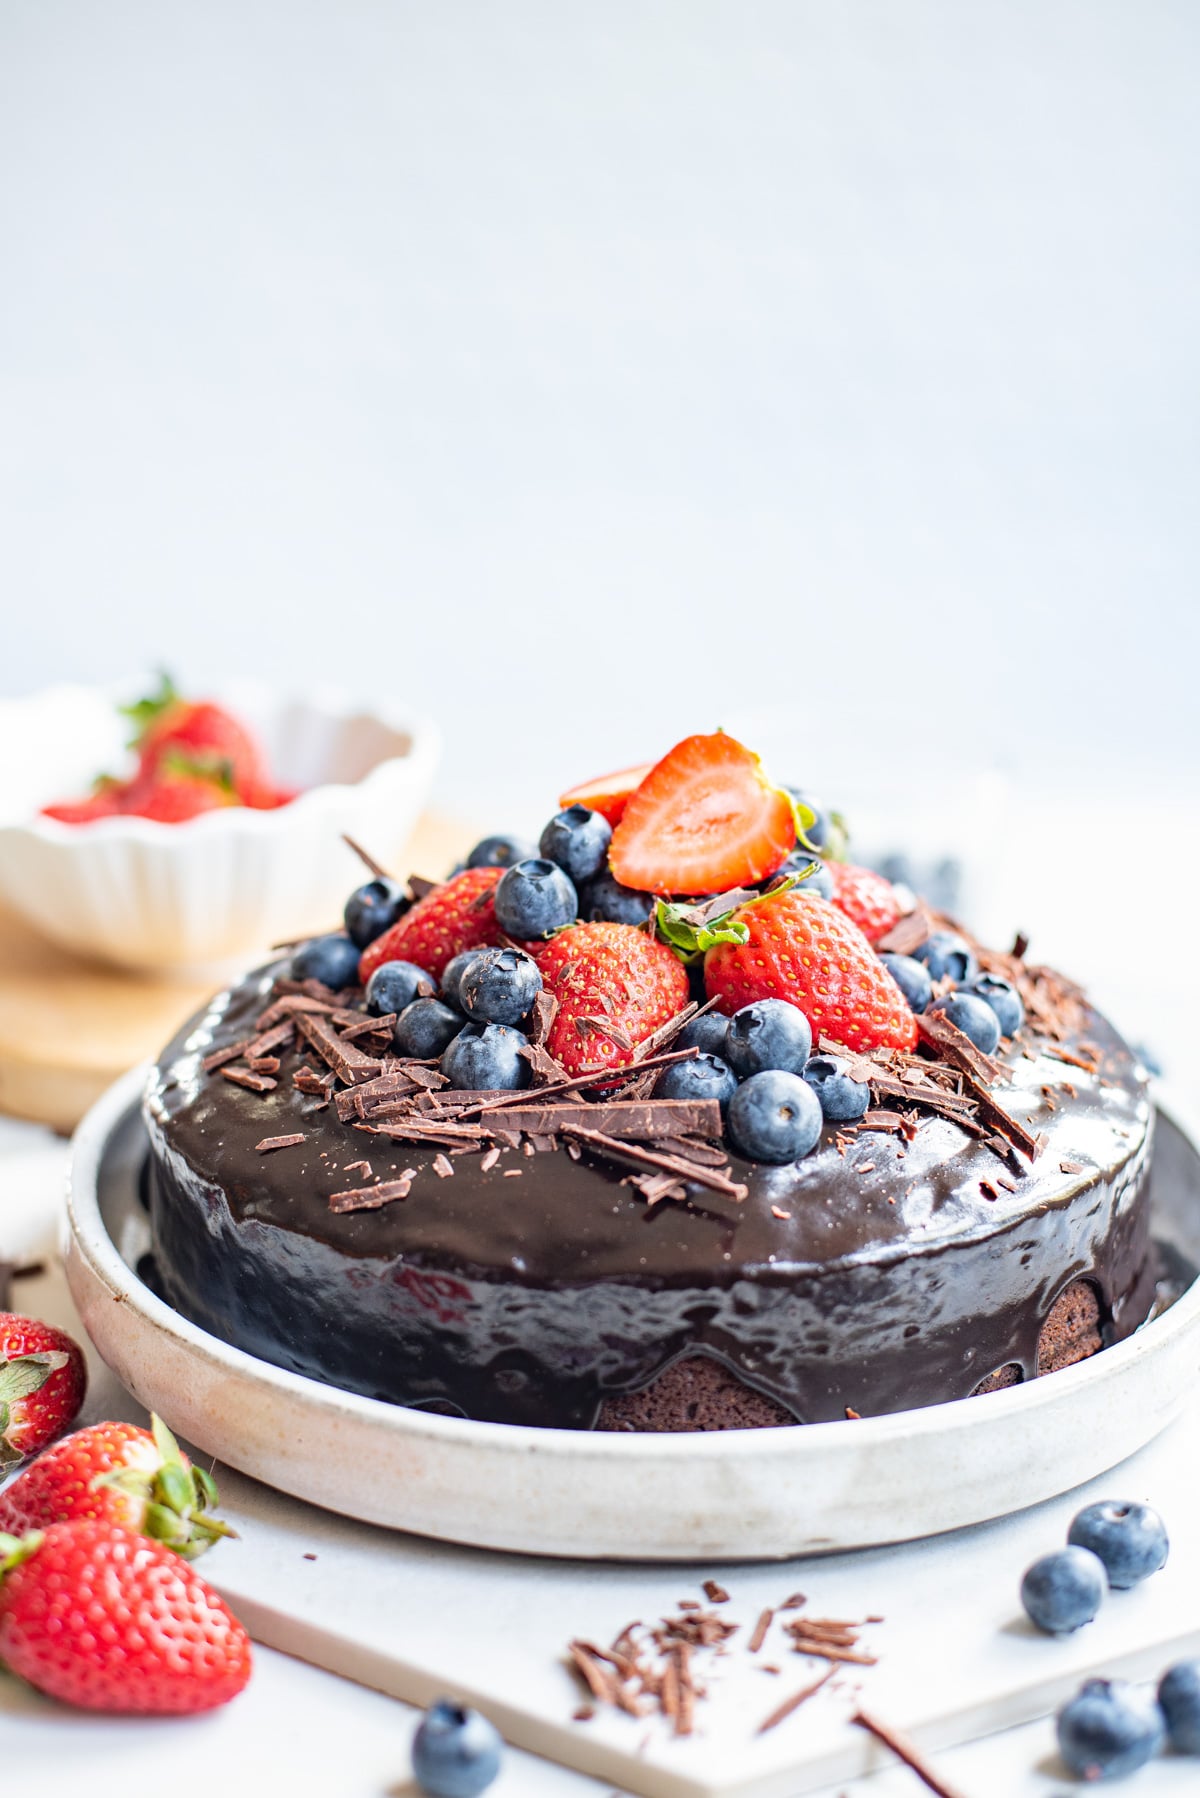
x=876, y=1274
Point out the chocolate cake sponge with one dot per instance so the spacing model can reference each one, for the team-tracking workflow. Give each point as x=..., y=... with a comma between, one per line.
x=895, y=1266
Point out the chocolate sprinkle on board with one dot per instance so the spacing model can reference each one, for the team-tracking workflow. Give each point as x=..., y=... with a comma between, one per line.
x=714, y=1593
x=907, y=1752
x=760, y=1631
x=278, y=1142
x=793, y=1703
x=370, y=1198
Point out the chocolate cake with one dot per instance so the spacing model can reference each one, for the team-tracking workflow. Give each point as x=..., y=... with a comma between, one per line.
x=903, y=1262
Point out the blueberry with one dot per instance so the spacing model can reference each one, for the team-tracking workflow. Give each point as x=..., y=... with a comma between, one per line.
x=706, y=1034
x=374, y=908
x=426, y=1028
x=774, y=1116
x=820, y=881
x=974, y=1017
x=1108, y=1729
x=499, y=852
x=1179, y=1697
x=842, y=1099
x=770, y=1033
x=486, y=1057
x=817, y=832
x=452, y=973
x=1004, y=1000
x=945, y=953
x=577, y=840
x=499, y=985
x=395, y=984
x=1130, y=1539
x=534, y=898
x=1064, y=1590
x=332, y=959
x=603, y=900
x=455, y=1752
x=708, y=1077
x=912, y=977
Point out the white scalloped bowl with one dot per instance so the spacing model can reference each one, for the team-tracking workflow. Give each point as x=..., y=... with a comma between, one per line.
x=199, y=897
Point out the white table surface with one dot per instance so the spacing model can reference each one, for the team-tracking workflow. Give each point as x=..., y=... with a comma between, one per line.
x=329, y=1738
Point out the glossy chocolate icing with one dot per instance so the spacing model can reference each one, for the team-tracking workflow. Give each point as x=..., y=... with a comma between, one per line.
x=529, y=1293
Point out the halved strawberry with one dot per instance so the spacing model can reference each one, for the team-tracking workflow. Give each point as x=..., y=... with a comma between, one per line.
x=705, y=819
x=608, y=794
x=456, y=916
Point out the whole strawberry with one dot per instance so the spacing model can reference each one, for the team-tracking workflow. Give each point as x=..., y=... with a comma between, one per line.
x=43, y=1378
x=867, y=899
x=118, y=1473
x=614, y=986
x=200, y=731
x=807, y=951
x=452, y=918
x=97, y=1616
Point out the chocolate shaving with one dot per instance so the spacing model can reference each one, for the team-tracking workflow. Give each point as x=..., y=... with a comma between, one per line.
x=715, y=1593
x=655, y=1187
x=442, y=1167
x=219, y=1057
x=907, y=1752
x=359, y=1167
x=291, y=1006
x=908, y=933
x=794, y=1702
x=370, y=1198
x=420, y=888
x=650, y=1119
x=544, y=1012
x=1072, y=1167
x=278, y=1142
x=263, y=1064
x=347, y=1062
x=255, y=1083
x=953, y=1045
x=760, y=1631
x=606, y=1077
x=670, y=1164
x=367, y=1026
x=306, y=1080
x=368, y=861
x=489, y=1161
x=585, y=1027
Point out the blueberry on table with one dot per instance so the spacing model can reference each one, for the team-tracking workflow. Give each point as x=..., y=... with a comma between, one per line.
x=1004, y=1000
x=374, y=908
x=774, y=1116
x=974, y=1017
x=818, y=881
x=1130, y=1539
x=425, y=1029
x=603, y=900
x=1108, y=1729
x=499, y=852
x=499, y=985
x=842, y=1099
x=533, y=899
x=452, y=974
x=577, y=840
x=1064, y=1590
x=331, y=959
x=1179, y=1701
x=395, y=984
x=912, y=977
x=484, y=1057
x=946, y=953
x=769, y=1033
x=455, y=1751
x=707, y=1077
x=706, y=1034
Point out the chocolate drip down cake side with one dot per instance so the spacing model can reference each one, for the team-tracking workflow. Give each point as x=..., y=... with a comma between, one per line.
x=557, y=1142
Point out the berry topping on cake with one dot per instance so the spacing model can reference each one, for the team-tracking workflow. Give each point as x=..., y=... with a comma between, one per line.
x=608, y=794
x=614, y=986
x=808, y=952
x=450, y=919
x=867, y=899
x=534, y=898
x=705, y=819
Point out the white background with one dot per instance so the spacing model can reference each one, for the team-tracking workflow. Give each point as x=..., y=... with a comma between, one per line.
x=590, y=374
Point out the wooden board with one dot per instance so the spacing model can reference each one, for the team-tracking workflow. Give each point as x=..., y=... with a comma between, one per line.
x=69, y=1027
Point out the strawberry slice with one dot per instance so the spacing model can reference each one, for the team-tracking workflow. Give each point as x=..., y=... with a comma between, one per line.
x=608, y=794
x=705, y=819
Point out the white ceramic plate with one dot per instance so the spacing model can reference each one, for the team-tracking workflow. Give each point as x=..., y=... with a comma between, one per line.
x=202, y=895
x=745, y=1495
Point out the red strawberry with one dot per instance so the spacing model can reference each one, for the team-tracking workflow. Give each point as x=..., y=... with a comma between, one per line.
x=807, y=951
x=43, y=1378
x=704, y=820
x=174, y=794
x=453, y=917
x=97, y=1616
x=118, y=1473
x=867, y=899
x=608, y=794
x=100, y=804
x=608, y=978
x=205, y=733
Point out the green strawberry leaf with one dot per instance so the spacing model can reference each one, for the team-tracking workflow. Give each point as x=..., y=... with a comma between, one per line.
x=216, y=769
x=144, y=712
x=803, y=816
x=27, y=1374
x=689, y=931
